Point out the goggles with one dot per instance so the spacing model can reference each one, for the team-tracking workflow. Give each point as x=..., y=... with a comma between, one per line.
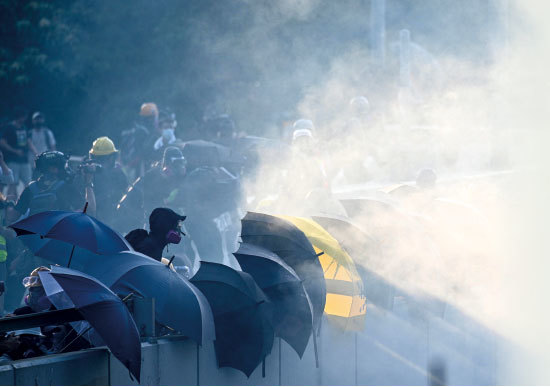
x=31, y=281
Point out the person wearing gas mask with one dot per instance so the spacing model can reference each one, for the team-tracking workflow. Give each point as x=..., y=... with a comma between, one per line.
x=55, y=188
x=109, y=180
x=54, y=338
x=165, y=228
x=167, y=126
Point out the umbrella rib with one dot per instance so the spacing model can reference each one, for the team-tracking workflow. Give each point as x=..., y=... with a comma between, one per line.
x=219, y=282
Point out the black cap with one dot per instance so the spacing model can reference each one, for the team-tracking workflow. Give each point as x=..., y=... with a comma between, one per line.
x=163, y=220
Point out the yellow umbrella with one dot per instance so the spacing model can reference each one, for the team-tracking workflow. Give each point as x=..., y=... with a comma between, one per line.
x=345, y=303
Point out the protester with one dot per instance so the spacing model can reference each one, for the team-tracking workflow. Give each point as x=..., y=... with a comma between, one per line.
x=42, y=138
x=55, y=188
x=157, y=188
x=165, y=228
x=16, y=146
x=109, y=180
x=50, y=338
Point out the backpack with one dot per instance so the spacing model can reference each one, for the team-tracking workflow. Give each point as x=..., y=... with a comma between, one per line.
x=44, y=200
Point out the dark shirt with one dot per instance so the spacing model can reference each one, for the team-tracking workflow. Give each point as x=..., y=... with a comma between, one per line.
x=16, y=138
x=152, y=246
x=110, y=184
x=68, y=197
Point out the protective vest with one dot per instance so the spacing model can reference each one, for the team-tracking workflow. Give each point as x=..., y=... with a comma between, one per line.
x=3, y=249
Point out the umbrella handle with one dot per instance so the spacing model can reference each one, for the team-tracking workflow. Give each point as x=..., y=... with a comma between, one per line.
x=85, y=208
x=315, y=349
x=73, y=340
x=170, y=261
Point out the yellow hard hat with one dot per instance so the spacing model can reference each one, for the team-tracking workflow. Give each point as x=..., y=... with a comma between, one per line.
x=103, y=146
x=149, y=109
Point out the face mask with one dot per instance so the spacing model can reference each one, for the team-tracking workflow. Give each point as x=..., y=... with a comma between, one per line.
x=37, y=304
x=173, y=237
x=168, y=134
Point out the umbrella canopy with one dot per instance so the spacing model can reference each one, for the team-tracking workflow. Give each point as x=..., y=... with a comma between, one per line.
x=366, y=254
x=201, y=153
x=178, y=303
x=346, y=302
x=61, y=300
x=105, y=312
x=293, y=247
x=242, y=314
x=74, y=228
x=293, y=314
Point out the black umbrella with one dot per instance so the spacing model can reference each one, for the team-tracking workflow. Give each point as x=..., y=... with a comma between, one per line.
x=200, y=153
x=178, y=304
x=105, y=312
x=74, y=228
x=293, y=247
x=242, y=316
x=293, y=316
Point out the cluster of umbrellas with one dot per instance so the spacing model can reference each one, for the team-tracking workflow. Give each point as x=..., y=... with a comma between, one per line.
x=293, y=271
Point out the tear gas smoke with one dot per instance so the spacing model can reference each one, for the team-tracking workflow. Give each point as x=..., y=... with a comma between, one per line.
x=473, y=241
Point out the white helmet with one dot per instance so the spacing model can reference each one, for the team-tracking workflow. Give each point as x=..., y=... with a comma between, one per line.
x=303, y=123
x=360, y=105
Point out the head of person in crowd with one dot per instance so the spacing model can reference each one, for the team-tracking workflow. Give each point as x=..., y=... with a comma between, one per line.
x=426, y=179
x=174, y=163
x=220, y=128
x=304, y=123
x=36, y=297
x=51, y=166
x=38, y=120
x=360, y=107
x=303, y=141
x=20, y=116
x=149, y=116
x=167, y=125
x=104, y=152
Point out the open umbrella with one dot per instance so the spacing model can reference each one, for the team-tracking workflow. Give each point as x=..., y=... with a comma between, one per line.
x=293, y=315
x=242, y=314
x=178, y=303
x=75, y=228
x=200, y=153
x=105, y=312
x=366, y=253
x=292, y=246
x=346, y=302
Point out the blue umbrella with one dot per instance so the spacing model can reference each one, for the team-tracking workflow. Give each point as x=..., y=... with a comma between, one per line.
x=105, y=312
x=242, y=314
x=293, y=315
x=178, y=303
x=75, y=228
x=292, y=246
x=61, y=300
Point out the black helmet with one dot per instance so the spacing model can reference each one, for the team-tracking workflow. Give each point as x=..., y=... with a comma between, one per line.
x=173, y=156
x=50, y=159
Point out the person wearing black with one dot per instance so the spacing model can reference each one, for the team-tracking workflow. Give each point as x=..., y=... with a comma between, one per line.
x=15, y=143
x=55, y=188
x=110, y=181
x=157, y=188
x=165, y=228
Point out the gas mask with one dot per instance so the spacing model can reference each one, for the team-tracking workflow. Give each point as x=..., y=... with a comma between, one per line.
x=37, y=299
x=174, y=236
